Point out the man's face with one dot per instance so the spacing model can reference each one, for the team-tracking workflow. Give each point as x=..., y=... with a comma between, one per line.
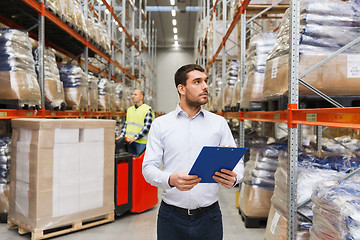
x=196, y=89
x=137, y=96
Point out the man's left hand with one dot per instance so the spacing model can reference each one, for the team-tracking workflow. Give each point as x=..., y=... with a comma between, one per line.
x=130, y=140
x=225, y=177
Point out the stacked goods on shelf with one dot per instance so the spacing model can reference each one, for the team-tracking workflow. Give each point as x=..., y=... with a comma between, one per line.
x=259, y=47
x=326, y=26
x=93, y=93
x=75, y=87
x=235, y=101
x=104, y=96
x=112, y=92
x=17, y=69
x=215, y=38
x=127, y=99
x=232, y=77
x=336, y=211
x=4, y=177
x=62, y=173
x=258, y=185
x=54, y=91
x=119, y=99
x=217, y=100
x=312, y=170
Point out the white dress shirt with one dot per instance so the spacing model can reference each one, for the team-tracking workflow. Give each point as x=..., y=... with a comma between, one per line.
x=175, y=140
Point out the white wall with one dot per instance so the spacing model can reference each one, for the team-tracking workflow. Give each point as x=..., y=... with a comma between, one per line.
x=168, y=61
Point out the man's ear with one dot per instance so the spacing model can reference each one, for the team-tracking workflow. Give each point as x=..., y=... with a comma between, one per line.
x=181, y=89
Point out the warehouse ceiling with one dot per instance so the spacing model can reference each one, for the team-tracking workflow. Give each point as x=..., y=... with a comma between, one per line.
x=186, y=18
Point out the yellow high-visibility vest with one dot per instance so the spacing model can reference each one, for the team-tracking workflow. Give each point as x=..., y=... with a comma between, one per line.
x=135, y=121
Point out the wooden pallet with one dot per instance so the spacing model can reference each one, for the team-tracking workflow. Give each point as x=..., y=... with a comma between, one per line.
x=53, y=232
x=19, y=104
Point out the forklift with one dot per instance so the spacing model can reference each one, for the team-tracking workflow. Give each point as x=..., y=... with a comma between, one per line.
x=132, y=192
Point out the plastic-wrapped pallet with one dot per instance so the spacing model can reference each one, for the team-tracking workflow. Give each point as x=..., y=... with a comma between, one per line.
x=93, y=93
x=112, y=92
x=69, y=175
x=259, y=47
x=232, y=77
x=54, y=91
x=336, y=211
x=17, y=68
x=118, y=99
x=326, y=26
x=258, y=185
x=76, y=86
x=311, y=171
x=104, y=94
x=5, y=143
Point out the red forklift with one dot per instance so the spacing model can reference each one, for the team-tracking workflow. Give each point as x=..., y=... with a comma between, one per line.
x=132, y=192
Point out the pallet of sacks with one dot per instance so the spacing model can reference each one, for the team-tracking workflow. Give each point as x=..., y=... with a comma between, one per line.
x=62, y=175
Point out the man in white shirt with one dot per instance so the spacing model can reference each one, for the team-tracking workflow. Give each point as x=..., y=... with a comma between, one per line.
x=188, y=210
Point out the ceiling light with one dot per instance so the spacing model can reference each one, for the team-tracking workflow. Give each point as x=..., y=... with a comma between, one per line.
x=107, y=11
x=172, y=2
x=176, y=37
x=116, y=23
x=174, y=22
x=175, y=30
x=173, y=12
x=120, y=29
x=176, y=43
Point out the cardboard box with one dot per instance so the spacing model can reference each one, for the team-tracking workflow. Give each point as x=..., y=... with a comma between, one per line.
x=276, y=227
x=255, y=202
x=338, y=77
x=66, y=179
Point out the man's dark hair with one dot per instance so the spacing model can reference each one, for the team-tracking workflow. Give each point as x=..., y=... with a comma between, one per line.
x=181, y=73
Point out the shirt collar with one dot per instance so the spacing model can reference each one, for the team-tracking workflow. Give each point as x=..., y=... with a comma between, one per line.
x=180, y=112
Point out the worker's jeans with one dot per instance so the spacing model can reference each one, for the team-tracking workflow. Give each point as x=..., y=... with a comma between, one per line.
x=136, y=148
x=175, y=225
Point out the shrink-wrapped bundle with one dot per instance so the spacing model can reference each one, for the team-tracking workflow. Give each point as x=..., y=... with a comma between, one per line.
x=231, y=78
x=104, y=94
x=17, y=68
x=75, y=87
x=336, y=211
x=325, y=26
x=54, y=91
x=93, y=93
x=4, y=177
x=258, y=185
x=112, y=92
x=259, y=47
x=118, y=99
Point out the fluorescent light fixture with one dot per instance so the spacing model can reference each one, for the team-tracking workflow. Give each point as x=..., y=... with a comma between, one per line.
x=172, y=2
x=116, y=23
x=120, y=29
x=174, y=22
x=173, y=12
x=176, y=37
x=107, y=11
x=176, y=43
x=175, y=30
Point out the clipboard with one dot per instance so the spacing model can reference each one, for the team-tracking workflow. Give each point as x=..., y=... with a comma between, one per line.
x=213, y=159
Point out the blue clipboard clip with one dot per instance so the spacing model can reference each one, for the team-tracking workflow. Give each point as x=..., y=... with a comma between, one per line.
x=212, y=159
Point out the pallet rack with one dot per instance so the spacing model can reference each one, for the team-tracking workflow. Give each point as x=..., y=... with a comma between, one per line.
x=340, y=117
x=71, y=41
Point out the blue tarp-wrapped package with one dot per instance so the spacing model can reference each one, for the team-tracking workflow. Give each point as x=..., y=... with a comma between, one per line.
x=259, y=47
x=54, y=91
x=258, y=184
x=17, y=67
x=76, y=86
x=325, y=26
x=336, y=211
x=104, y=95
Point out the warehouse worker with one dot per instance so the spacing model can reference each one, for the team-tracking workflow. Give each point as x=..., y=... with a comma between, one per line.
x=188, y=210
x=137, y=125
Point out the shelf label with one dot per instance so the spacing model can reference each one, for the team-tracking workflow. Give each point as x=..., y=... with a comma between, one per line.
x=258, y=116
x=53, y=114
x=29, y=114
x=276, y=116
x=353, y=66
x=3, y=114
x=311, y=117
x=246, y=116
x=69, y=114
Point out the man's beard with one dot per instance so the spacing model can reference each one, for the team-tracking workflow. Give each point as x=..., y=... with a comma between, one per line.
x=195, y=104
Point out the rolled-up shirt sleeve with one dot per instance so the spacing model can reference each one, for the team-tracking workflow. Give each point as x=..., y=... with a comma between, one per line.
x=153, y=158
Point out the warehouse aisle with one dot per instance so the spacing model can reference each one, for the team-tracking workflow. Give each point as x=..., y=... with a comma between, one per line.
x=143, y=226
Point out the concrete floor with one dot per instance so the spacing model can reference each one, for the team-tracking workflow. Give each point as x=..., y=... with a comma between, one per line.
x=143, y=226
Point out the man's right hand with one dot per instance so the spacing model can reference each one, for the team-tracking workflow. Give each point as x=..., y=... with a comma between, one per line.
x=183, y=181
